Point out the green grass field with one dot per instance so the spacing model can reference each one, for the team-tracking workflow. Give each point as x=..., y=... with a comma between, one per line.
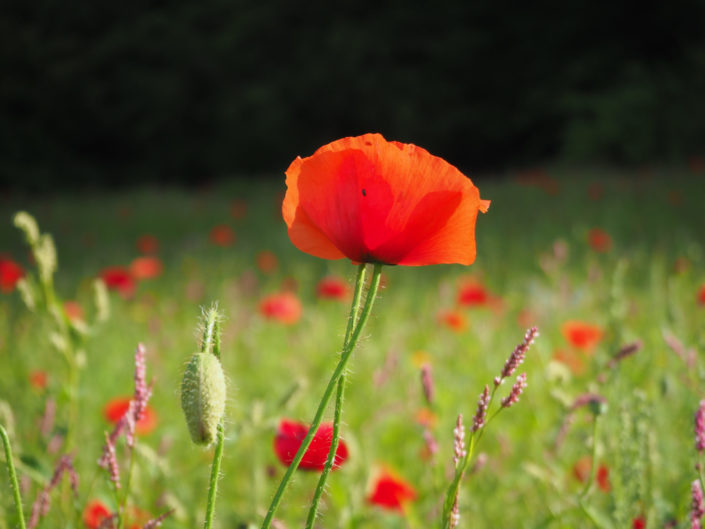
x=533, y=258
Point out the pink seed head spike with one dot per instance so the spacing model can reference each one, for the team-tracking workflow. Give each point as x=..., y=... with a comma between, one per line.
x=431, y=443
x=481, y=414
x=517, y=356
x=157, y=522
x=109, y=461
x=459, y=441
x=698, y=506
x=514, y=394
x=700, y=427
x=427, y=383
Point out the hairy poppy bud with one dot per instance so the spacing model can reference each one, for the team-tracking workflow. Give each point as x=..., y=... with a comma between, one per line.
x=203, y=397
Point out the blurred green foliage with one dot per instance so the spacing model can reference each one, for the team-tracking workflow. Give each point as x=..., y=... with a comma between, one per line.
x=136, y=91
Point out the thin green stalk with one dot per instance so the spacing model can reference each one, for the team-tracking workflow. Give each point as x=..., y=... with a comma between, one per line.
x=13, y=476
x=327, y=394
x=215, y=472
x=593, y=466
x=352, y=320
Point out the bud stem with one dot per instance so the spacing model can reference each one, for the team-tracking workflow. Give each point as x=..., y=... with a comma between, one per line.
x=13, y=476
x=328, y=393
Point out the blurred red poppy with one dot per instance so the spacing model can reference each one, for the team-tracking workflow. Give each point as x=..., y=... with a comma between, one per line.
x=639, y=523
x=472, y=294
x=696, y=164
x=95, y=513
x=596, y=191
x=454, y=320
x=238, y=208
x=147, y=244
x=332, y=288
x=288, y=439
x=117, y=407
x=120, y=279
x=146, y=267
x=38, y=379
x=73, y=310
x=575, y=363
x=222, y=235
x=391, y=492
x=701, y=295
x=599, y=240
x=283, y=307
x=371, y=200
x=267, y=262
x=582, y=468
x=584, y=336
x=10, y=274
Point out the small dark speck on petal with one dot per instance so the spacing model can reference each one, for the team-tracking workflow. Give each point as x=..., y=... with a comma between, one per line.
x=364, y=193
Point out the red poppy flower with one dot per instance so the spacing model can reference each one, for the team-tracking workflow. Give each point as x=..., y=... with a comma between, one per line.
x=147, y=244
x=582, y=468
x=267, y=262
x=222, y=235
x=371, y=200
x=332, y=288
x=283, y=307
x=95, y=513
x=117, y=407
x=119, y=278
x=472, y=294
x=584, y=336
x=38, y=379
x=146, y=267
x=289, y=436
x=639, y=523
x=453, y=319
x=599, y=240
x=391, y=492
x=10, y=274
x=701, y=295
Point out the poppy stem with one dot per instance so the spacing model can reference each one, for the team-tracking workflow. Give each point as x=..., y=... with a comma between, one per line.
x=13, y=476
x=348, y=348
x=354, y=310
x=215, y=472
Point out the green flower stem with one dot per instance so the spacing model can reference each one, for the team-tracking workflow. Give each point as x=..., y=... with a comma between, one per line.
x=13, y=476
x=328, y=393
x=215, y=472
x=593, y=466
x=352, y=320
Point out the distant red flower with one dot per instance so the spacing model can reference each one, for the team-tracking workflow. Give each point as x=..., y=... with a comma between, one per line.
x=146, y=267
x=370, y=200
x=584, y=336
x=147, y=244
x=267, y=262
x=238, y=209
x=639, y=523
x=701, y=295
x=596, y=191
x=73, y=310
x=453, y=319
x=681, y=265
x=540, y=179
x=391, y=492
x=332, y=288
x=10, y=274
x=95, y=513
x=222, y=235
x=570, y=359
x=582, y=468
x=696, y=164
x=120, y=279
x=288, y=439
x=117, y=407
x=599, y=240
x=283, y=307
x=38, y=379
x=472, y=294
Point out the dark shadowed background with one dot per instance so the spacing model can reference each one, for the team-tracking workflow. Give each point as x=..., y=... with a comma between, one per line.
x=105, y=93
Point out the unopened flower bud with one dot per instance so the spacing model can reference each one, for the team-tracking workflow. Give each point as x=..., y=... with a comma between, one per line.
x=203, y=397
